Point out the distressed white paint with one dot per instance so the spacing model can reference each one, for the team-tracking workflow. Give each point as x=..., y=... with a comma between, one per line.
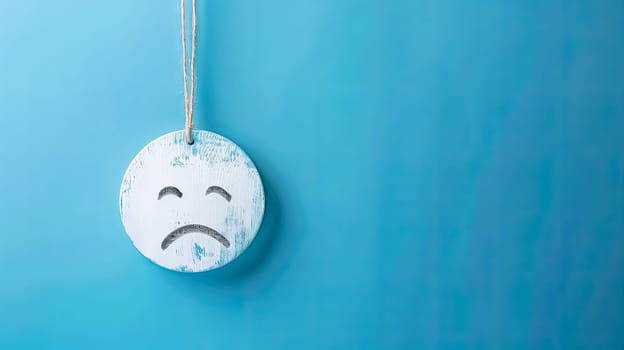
x=211, y=161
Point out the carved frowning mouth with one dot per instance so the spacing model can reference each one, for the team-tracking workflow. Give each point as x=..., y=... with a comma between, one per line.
x=181, y=231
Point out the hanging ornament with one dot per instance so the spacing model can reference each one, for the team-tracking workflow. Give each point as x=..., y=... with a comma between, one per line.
x=191, y=200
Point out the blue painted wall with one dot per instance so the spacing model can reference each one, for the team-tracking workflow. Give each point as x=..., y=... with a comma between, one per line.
x=438, y=173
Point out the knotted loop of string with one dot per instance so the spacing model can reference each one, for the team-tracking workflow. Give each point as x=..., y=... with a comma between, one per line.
x=189, y=88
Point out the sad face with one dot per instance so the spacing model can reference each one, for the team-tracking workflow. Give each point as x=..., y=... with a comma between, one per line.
x=191, y=208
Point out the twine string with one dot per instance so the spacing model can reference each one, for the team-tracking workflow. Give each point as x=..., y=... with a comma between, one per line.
x=189, y=87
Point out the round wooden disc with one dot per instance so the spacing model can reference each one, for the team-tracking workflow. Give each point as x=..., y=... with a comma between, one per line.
x=191, y=208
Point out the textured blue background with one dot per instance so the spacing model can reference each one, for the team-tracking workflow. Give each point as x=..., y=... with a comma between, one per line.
x=439, y=173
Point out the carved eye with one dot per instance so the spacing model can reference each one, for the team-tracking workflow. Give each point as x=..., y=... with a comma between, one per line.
x=169, y=190
x=220, y=191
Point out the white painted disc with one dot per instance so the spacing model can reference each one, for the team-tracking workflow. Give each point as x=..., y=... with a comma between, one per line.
x=191, y=208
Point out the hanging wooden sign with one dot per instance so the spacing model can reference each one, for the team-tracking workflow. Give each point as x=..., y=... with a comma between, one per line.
x=191, y=208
